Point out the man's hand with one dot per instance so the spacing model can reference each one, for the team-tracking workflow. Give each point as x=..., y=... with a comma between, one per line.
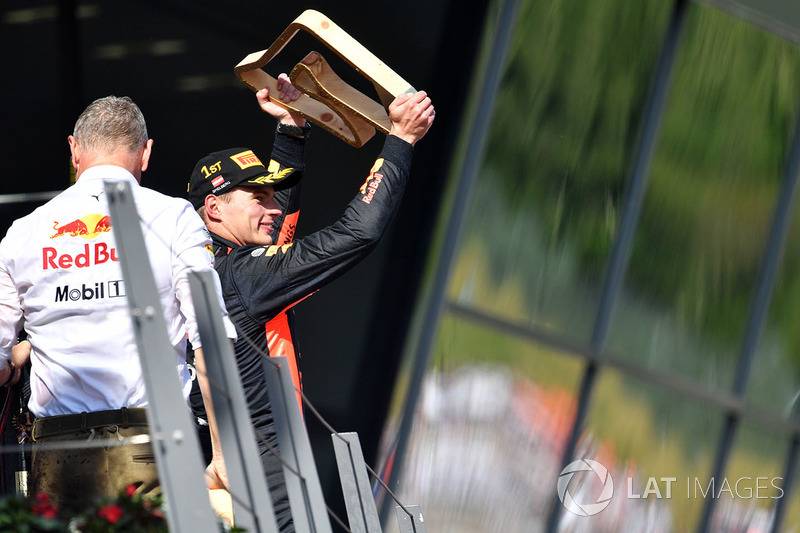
x=287, y=93
x=216, y=475
x=20, y=354
x=411, y=116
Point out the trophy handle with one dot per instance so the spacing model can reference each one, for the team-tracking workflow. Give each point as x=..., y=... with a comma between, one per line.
x=327, y=101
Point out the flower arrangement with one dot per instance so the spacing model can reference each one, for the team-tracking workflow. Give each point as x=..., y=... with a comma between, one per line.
x=129, y=512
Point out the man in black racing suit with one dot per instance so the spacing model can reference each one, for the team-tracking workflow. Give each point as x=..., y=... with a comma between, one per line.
x=261, y=279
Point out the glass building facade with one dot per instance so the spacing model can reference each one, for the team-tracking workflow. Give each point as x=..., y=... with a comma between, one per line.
x=608, y=339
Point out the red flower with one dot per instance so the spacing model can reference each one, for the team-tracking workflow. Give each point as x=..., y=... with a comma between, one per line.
x=130, y=489
x=43, y=507
x=111, y=513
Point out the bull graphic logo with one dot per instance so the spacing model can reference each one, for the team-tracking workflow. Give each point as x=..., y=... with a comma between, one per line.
x=88, y=227
x=376, y=167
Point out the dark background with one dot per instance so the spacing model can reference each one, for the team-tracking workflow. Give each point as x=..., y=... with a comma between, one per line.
x=176, y=59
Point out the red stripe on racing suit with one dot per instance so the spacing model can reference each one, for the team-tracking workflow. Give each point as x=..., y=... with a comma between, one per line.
x=281, y=340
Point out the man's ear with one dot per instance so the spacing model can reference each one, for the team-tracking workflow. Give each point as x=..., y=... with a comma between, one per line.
x=75, y=151
x=148, y=149
x=212, y=204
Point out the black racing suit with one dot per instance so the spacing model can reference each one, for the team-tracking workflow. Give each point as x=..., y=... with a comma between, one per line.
x=260, y=282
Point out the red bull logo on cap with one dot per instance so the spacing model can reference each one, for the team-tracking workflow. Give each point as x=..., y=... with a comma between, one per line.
x=88, y=227
x=246, y=159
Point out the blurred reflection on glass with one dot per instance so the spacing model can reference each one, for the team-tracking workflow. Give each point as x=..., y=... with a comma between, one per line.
x=753, y=482
x=484, y=453
x=654, y=443
x=486, y=445
x=792, y=512
x=712, y=192
x=545, y=209
x=775, y=377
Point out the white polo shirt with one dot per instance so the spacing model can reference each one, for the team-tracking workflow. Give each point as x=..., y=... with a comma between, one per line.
x=60, y=277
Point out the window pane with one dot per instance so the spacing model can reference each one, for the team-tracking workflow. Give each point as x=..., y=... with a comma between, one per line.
x=544, y=211
x=747, y=494
x=653, y=443
x=712, y=192
x=537, y=238
x=775, y=376
x=792, y=516
x=489, y=433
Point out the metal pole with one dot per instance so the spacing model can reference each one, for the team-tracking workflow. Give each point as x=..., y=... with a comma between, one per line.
x=175, y=444
x=362, y=514
x=299, y=469
x=253, y=509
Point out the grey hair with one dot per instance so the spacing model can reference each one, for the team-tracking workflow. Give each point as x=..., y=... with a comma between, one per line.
x=110, y=124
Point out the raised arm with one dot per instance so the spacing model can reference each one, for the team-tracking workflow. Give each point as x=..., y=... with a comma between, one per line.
x=307, y=265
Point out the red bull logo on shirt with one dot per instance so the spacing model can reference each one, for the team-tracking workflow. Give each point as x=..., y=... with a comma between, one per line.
x=88, y=227
x=376, y=167
x=373, y=180
x=96, y=255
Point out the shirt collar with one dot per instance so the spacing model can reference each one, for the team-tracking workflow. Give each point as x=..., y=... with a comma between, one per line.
x=222, y=244
x=106, y=172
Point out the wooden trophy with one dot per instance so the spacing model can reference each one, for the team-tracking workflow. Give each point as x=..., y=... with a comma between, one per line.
x=327, y=101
